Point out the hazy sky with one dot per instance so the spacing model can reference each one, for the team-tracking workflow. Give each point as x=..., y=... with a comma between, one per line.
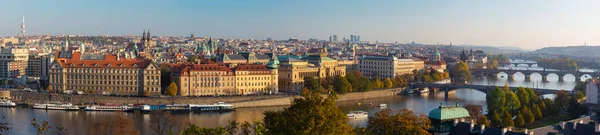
x=521, y=23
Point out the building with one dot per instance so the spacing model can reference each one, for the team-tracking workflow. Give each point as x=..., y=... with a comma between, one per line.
x=38, y=65
x=475, y=60
x=13, y=62
x=244, y=58
x=218, y=79
x=444, y=118
x=591, y=92
x=106, y=73
x=387, y=66
x=435, y=62
x=293, y=69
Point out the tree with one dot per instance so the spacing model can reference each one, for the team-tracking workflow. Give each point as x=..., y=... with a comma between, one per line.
x=460, y=72
x=575, y=109
x=311, y=114
x=4, y=126
x=367, y=85
x=551, y=108
x=387, y=83
x=493, y=64
x=163, y=123
x=561, y=99
x=246, y=128
x=377, y=83
x=165, y=75
x=357, y=74
x=476, y=111
x=40, y=128
x=50, y=89
x=116, y=125
x=532, y=96
x=172, y=89
x=537, y=113
x=496, y=101
x=311, y=83
x=399, y=81
x=193, y=129
x=579, y=95
x=496, y=121
x=507, y=120
x=543, y=107
x=354, y=81
x=232, y=127
x=527, y=115
x=342, y=85
x=402, y=122
x=193, y=59
x=484, y=121
x=523, y=96
x=519, y=121
x=512, y=102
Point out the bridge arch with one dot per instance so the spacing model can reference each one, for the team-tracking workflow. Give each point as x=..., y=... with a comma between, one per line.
x=585, y=76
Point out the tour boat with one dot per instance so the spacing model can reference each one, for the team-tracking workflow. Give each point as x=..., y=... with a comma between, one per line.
x=7, y=103
x=424, y=90
x=166, y=107
x=123, y=108
x=382, y=105
x=358, y=114
x=56, y=106
x=216, y=107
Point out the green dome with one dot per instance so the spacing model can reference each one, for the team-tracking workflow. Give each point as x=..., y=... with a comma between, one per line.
x=448, y=112
x=273, y=64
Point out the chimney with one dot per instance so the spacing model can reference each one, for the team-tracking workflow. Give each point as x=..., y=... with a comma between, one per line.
x=530, y=133
x=482, y=129
x=455, y=122
x=525, y=131
x=473, y=125
x=597, y=127
x=504, y=130
x=574, y=125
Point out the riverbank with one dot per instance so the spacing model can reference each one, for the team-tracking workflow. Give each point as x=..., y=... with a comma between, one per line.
x=237, y=101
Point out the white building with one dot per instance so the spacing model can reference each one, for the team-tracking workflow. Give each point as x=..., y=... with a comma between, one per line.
x=13, y=62
x=387, y=66
x=591, y=92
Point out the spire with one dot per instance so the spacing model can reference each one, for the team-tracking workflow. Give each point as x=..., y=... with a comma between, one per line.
x=148, y=36
x=143, y=36
x=66, y=43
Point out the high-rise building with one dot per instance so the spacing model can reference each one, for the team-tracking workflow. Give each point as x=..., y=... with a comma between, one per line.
x=13, y=62
x=387, y=66
x=22, y=35
x=38, y=65
x=354, y=38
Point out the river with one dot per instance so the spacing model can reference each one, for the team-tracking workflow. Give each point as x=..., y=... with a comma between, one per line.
x=80, y=122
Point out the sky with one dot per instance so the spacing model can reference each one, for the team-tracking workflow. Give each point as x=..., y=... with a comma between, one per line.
x=528, y=24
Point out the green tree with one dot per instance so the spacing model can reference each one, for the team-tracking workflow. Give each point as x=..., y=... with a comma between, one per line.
x=579, y=95
x=532, y=96
x=193, y=59
x=561, y=99
x=399, y=81
x=354, y=81
x=172, y=89
x=575, y=109
x=496, y=101
x=507, y=120
x=193, y=129
x=367, y=85
x=311, y=114
x=311, y=83
x=496, y=121
x=551, y=108
x=342, y=85
x=484, y=121
x=402, y=122
x=377, y=83
x=460, y=72
x=387, y=83
x=523, y=95
x=512, y=101
x=537, y=113
x=357, y=74
x=519, y=121
x=527, y=115
x=543, y=107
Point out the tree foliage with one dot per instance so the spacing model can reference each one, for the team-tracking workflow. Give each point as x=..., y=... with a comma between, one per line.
x=116, y=125
x=476, y=111
x=171, y=90
x=484, y=121
x=402, y=122
x=311, y=114
x=519, y=121
x=342, y=85
x=523, y=95
x=163, y=123
x=512, y=102
x=388, y=83
x=496, y=101
x=507, y=120
x=311, y=83
x=558, y=63
x=537, y=113
x=527, y=115
x=460, y=72
x=377, y=84
x=496, y=121
x=561, y=99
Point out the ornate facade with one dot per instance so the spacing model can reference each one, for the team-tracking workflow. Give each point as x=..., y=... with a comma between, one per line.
x=293, y=70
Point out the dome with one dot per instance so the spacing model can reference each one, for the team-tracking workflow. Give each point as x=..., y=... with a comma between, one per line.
x=436, y=52
x=273, y=64
x=448, y=112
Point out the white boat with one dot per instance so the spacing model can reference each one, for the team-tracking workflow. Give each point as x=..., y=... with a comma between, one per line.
x=216, y=107
x=382, y=105
x=123, y=108
x=357, y=114
x=424, y=90
x=56, y=106
x=7, y=103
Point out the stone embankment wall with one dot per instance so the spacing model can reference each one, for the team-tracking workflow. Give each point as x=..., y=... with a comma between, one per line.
x=237, y=101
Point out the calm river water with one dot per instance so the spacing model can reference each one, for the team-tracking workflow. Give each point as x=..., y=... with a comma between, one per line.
x=80, y=122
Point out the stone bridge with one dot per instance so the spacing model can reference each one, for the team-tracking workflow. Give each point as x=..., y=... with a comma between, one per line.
x=544, y=73
x=528, y=63
x=482, y=88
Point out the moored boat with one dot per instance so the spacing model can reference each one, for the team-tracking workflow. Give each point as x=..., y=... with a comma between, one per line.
x=7, y=103
x=56, y=106
x=382, y=105
x=166, y=107
x=357, y=114
x=123, y=108
x=216, y=107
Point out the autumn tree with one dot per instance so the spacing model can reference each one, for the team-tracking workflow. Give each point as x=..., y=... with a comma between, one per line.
x=402, y=122
x=377, y=83
x=484, y=121
x=527, y=115
x=496, y=121
x=342, y=85
x=388, y=83
x=507, y=120
x=519, y=121
x=367, y=85
x=311, y=83
x=172, y=89
x=476, y=111
x=311, y=114
x=561, y=99
x=496, y=101
x=460, y=72
x=193, y=59
x=523, y=96
x=163, y=123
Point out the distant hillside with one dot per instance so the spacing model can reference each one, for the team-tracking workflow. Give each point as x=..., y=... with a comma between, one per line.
x=493, y=49
x=577, y=51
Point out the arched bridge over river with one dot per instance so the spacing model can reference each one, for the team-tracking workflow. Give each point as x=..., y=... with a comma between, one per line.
x=482, y=88
x=544, y=73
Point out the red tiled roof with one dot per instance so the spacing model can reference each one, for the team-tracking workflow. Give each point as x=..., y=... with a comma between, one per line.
x=109, y=59
x=252, y=67
x=199, y=67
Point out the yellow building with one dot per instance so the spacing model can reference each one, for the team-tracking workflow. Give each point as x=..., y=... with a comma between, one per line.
x=104, y=73
x=293, y=70
x=244, y=58
x=218, y=79
x=387, y=66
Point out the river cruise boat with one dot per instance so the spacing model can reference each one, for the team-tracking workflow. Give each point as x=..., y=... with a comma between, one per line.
x=110, y=108
x=382, y=105
x=166, y=107
x=56, y=106
x=358, y=114
x=216, y=107
x=423, y=90
x=7, y=103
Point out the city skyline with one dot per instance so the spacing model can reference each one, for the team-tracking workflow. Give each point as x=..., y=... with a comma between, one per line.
x=524, y=24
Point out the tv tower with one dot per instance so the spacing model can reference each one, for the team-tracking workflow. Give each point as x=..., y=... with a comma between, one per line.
x=23, y=29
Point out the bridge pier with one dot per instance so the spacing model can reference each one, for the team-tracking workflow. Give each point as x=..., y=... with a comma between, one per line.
x=577, y=79
x=511, y=77
x=528, y=77
x=446, y=90
x=544, y=78
x=561, y=78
